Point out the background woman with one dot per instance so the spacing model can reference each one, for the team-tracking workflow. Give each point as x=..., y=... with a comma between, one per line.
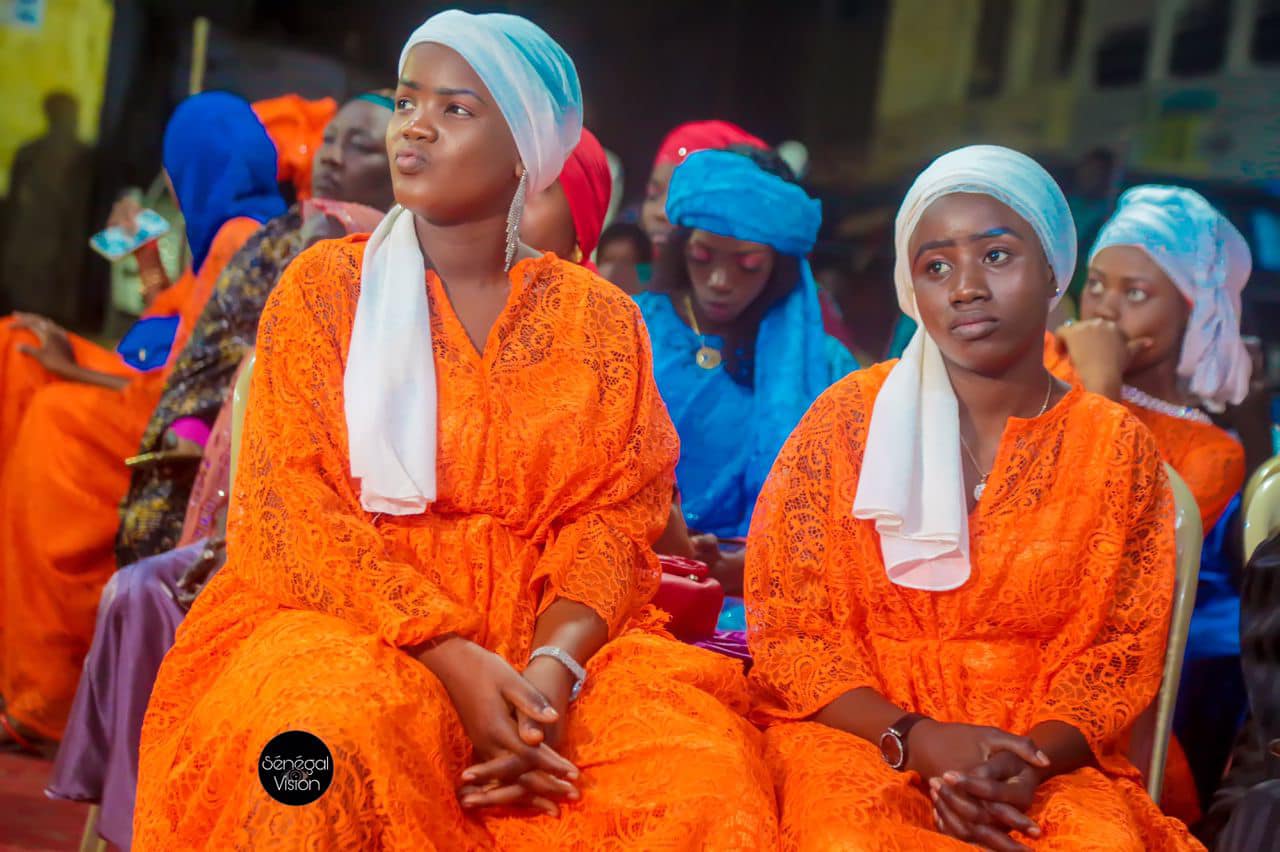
x=739, y=348
x=1160, y=333
x=144, y=602
x=960, y=570
x=350, y=168
x=65, y=474
x=422, y=559
x=566, y=218
x=679, y=144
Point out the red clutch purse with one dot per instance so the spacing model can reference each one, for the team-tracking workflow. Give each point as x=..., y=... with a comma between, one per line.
x=691, y=596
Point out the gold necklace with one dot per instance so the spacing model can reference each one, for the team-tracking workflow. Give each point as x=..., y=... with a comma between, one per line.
x=707, y=357
x=982, y=481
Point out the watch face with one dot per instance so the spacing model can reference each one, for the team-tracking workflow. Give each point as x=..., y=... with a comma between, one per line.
x=891, y=749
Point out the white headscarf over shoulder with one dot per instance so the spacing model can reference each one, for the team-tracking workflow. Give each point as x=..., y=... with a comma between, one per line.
x=1209, y=261
x=912, y=481
x=390, y=383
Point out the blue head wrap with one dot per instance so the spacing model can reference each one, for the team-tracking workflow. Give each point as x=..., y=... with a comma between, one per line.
x=795, y=360
x=728, y=194
x=222, y=164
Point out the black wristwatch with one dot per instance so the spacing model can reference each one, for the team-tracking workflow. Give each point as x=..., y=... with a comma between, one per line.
x=893, y=742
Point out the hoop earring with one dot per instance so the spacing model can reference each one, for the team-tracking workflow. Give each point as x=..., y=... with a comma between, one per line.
x=513, y=219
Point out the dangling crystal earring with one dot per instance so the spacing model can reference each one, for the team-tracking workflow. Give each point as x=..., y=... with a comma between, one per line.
x=513, y=219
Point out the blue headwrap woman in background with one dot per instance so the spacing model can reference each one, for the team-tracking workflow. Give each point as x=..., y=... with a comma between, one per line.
x=738, y=343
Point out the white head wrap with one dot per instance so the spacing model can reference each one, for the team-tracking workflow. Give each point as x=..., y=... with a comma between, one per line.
x=1209, y=262
x=912, y=481
x=390, y=383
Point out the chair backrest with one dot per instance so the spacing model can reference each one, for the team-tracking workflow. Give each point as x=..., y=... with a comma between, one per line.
x=1262, y=515
x=239, y=401
x=1264, y=472
x=1190, y=540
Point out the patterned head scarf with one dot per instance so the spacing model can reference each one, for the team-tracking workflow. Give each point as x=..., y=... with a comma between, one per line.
x=1209, y=261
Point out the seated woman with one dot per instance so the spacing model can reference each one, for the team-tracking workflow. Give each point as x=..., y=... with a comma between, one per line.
x=739, y=348
x=960, y=571
x=65, y=475
x=350, y=168
x=1159, y=332
x=423, y=561
x=144, y=603
x=566, y=218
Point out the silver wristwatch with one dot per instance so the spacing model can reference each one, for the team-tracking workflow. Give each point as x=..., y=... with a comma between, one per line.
x=564, y=658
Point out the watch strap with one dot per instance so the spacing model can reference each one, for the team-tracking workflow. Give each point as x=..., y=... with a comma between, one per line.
x=899, y=730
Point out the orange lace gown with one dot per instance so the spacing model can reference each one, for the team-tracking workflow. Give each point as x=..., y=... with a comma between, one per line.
x=1065, y=617
x=59, y=493
x=556, y=459
x=1212, y=464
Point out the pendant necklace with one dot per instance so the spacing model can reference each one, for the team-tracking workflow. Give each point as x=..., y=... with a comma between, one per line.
x=982, y=481
x=707, y=357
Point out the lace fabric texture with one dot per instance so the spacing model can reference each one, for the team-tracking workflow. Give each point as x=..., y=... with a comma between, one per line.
x=556, y=470
x=1065, y=616
x=1208, y=459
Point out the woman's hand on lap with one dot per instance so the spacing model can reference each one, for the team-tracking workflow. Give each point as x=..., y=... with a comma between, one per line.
x=488, y=693
x=988, y=802
x=935, y=748
x=535, y=788
x=55, y=353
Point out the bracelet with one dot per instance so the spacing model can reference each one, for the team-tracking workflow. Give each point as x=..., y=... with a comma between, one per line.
x=564, y=658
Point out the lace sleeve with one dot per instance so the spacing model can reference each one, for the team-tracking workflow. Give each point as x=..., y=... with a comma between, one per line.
x=1214, y=471
x=296, y=530
x=1112, y=655
x=805, y=619
x=599, y=552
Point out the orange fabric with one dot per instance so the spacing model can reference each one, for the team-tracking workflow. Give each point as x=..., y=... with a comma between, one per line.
x=60, y=489
x=1211, y=462
x=1207, y=458
x=296, y=126
x=1065, y=617
x=556, y=459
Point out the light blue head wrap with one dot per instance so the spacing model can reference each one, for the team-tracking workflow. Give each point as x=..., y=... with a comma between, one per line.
x=1209, y=261
x=530, y=76
x=728, y=194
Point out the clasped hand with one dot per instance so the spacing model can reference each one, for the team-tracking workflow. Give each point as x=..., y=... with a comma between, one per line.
x=982, y=781
x=514, y=722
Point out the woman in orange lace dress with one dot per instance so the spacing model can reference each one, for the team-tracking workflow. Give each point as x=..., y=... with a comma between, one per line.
x=422, y=560
x=959, y=572
x=65, y=474
x=1160, y=333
